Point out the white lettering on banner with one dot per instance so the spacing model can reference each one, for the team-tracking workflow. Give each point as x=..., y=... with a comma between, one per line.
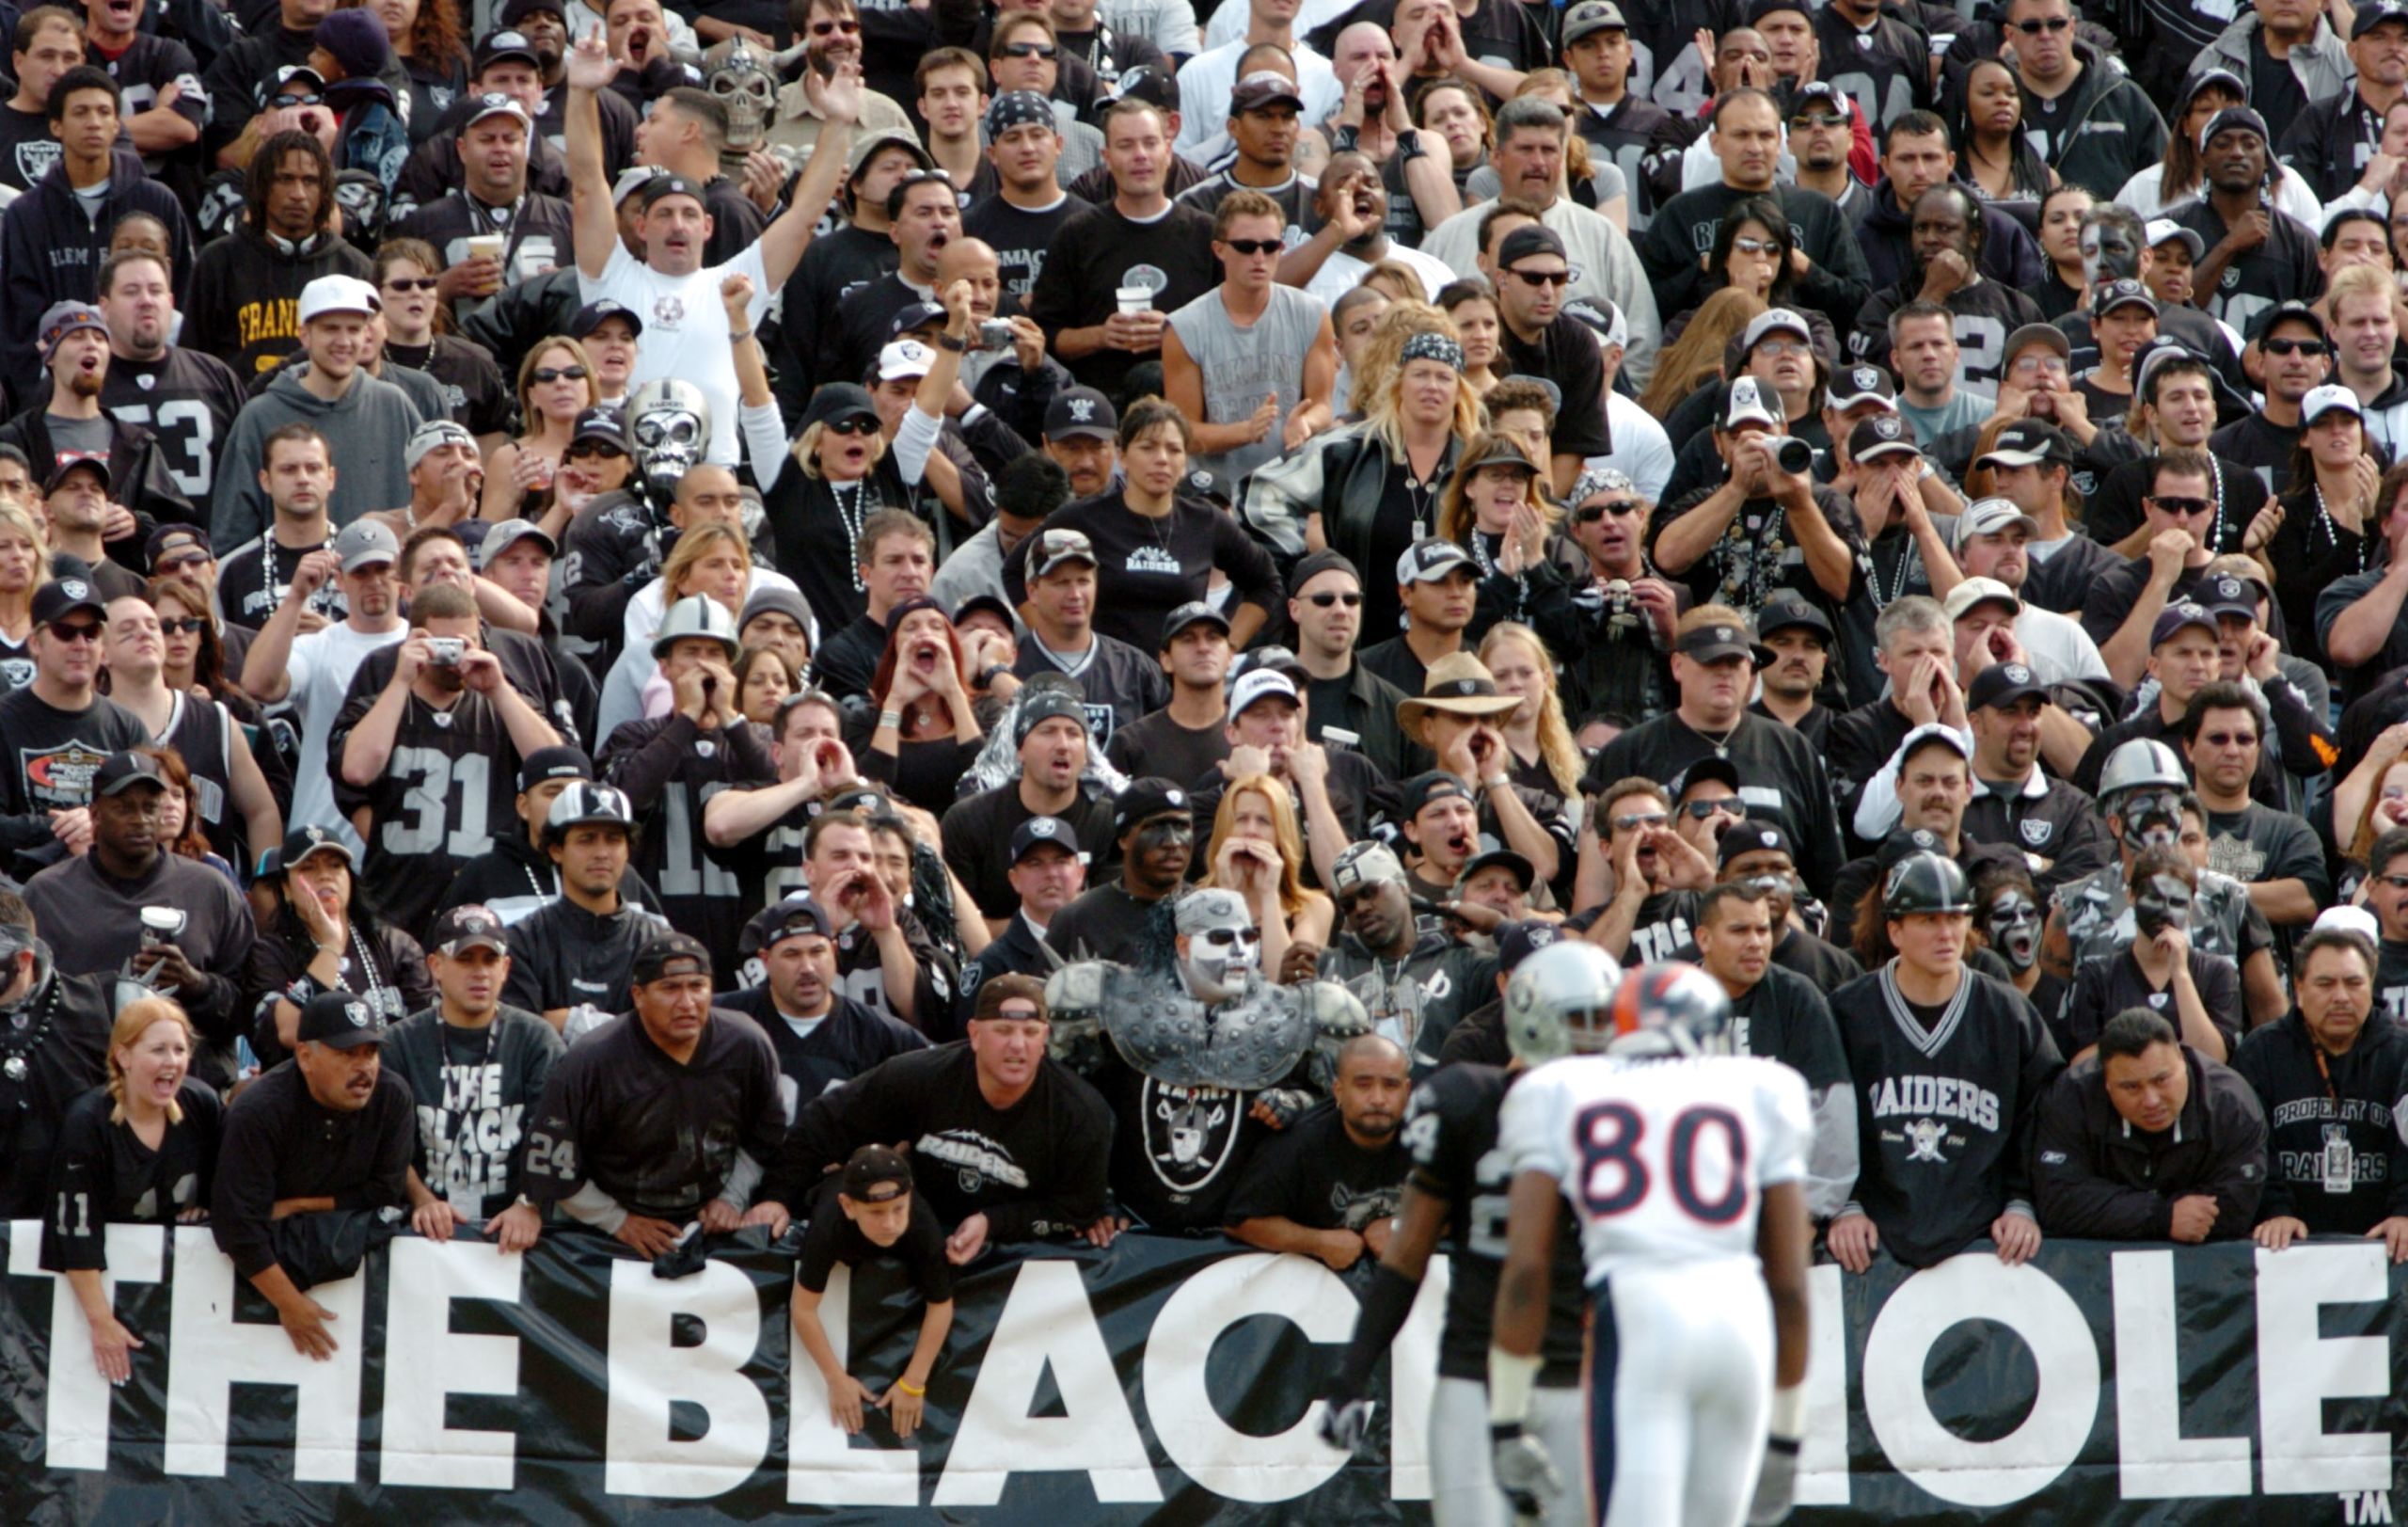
x=2302, y=1457
x=1212, y=1451
x=823, y=1465
x=213, y=1352
x=650, y=1373
x=434, y=1362
x=75, y=1415
x=1822, y=1453
x=2029, y=1303
x=2154, y=1461
x=1047, y=1321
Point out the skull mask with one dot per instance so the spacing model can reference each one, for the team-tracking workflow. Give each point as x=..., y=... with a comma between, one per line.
x=2012, y=924
x=738, y=74
x=1220, y=949
x=2160, y=902
x=2152, y=819
x=668, y=427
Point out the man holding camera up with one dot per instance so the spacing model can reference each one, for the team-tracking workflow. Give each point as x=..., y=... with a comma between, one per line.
x=427, y=751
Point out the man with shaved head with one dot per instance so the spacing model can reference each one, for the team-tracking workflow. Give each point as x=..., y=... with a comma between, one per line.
x=1327, y=1186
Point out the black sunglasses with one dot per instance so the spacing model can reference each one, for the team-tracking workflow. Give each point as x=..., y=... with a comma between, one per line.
x=542, y=375
x=2053, y=23
x=74, y=630
x=855, y=425
x=2294, y=347
x=411, y=283
x=1028, y=50
x=1542, y=278
x=2183, y=506
x=1323, y=600
x=1256, y=246
x=182, y=624
x=595, y=450
x=826, y=28
x=1699, y=810
x=1590, y=512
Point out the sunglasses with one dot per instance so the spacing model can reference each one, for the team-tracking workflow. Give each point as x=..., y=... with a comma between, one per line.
x=855, y=425
x=543, y=374
x=2294, y=347
x=2229, y=740
x=1323, y=600
x=1590, y=512
x=182, y=624
x=1256, y=246
x=1029, y=49
x=1754, y=247
x=1631, y=821
x=409, y=283
x=2398, y=883
x=74, y=630
x=830, y=29
x=1699, y=810
x=914, y=177
x=591, y=451
x=2183, y=506
x=2053, y=24
x=1542, y=278
x=300, y=100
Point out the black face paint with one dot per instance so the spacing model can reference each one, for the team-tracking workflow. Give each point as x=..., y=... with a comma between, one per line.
x=2161, y=903
x=1164, y=831
x=2013, y=926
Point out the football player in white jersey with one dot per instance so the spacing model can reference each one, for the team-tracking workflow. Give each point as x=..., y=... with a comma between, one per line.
x=1685, y=1166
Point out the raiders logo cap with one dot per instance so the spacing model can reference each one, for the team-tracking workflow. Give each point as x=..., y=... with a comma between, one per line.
x=340, y=1021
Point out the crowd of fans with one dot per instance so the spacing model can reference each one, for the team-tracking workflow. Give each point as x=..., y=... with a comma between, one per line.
x=593, y=603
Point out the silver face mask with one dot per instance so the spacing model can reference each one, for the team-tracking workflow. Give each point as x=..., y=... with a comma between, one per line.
x=2161, y=903
x=738, y=74
x=1223, y=948
x=669, y=428
x=2012, y=924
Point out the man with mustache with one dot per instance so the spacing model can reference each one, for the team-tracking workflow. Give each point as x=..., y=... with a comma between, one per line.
x=1799, y=637
x=1327, y=1186
x=823, y=1038
x=328, y=1127
x=1611, y=633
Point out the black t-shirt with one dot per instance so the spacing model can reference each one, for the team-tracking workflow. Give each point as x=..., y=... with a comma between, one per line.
x=188, y=399
x=27, y=148
x=1884, y=69
x=1104, y=923
x=1566, y=352
x=480, y=401
x=1295, y=200
x=838, y=262
x=1784, y=1017
x=1020, y=236
x=2262, y=445
x=1099, y=251
x=2273, y=90
x=2282, y=269
x=474, y=1089
x=1121, y=683
x=1178, y=1152
x=50, y=757
x=1313, y=1173
x=450, y=780
x=2105, y=985
x=838, y=1046
x=1662, y=927
x=978, y=837
x=102, y=1172
x=833, y=1238
x=1146, y=567
x=1156, y=745
x=2391, y=979
x=253, y=579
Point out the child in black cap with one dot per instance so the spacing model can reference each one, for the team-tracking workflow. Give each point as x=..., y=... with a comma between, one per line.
x=881, y=1217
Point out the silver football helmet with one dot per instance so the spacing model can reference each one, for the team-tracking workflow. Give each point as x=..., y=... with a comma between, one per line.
x=1560, y=1001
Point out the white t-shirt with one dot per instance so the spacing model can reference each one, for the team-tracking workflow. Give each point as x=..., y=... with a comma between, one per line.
x=685, y=329
x=320, y=670
x=1342, y=273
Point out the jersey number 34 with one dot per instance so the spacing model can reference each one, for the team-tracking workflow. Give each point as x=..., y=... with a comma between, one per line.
x=1616, y=1174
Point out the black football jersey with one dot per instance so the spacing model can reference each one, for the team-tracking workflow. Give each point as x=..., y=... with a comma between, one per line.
x=188, y=399
x=452, y=779
x=1449, y=1132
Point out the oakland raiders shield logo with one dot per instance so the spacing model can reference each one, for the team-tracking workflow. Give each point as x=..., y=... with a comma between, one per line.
x=34, y=158
x=2036, y=832
x=1191, y=1132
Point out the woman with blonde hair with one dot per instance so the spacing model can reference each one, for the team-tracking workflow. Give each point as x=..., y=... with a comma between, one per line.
x=1695, y=358
x=25, y=556
x=556, y=383
x=1258, y=851
x=1544, y=758
x=141, y=1150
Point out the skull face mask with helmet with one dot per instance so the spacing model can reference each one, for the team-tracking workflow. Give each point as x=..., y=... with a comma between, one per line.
x=1220, y=950
x=739, y=76
x=668, y=427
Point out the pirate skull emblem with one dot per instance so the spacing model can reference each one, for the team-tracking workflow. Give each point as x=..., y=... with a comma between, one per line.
x=738, y=74
x=668, y=426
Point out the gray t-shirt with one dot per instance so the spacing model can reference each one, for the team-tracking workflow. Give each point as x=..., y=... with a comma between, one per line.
x=76, y=436
x=1241, y=366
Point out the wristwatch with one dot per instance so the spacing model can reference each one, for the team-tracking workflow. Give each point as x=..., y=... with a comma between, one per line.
x=1496, y=781
x=946, y=342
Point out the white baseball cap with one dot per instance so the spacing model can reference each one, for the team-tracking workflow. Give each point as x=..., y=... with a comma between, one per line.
x=338, y=294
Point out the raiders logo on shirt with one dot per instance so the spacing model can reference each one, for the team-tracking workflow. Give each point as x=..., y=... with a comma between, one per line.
x=1191, y=1133
x=34, y=158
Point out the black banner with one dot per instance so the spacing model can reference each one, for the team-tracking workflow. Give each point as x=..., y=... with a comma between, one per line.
x=1162, y=1380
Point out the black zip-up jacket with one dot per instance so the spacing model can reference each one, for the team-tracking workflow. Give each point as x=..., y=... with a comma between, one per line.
x=51, y=251
x=2061, y=825
x=2310, y=1119
x=398, y=985
x=2095, y=1176
x=564, y=957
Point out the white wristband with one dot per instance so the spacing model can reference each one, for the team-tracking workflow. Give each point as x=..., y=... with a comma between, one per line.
x=1788, y=1421
x=1511, y=1378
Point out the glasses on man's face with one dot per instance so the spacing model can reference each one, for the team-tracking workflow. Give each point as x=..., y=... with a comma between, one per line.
x=180, y=625
x=1542, y=278
x=2398, y=883
x=1748, y=245
x=1028, y=50
x=1781, y=347
x=74, y=630
x=541, y=375
x=2050, y=24
x=176, y=564
x=409, y=283
x=2182, y=506
x=1633, y=820
x=1699, y=810
x=2229, y=740
x=832, y=28
x=2294, y=347
x=1323, y=600
x=1589, y=514
x=1256, y=246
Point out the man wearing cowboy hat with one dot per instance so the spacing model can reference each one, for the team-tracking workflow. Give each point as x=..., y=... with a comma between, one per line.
x=1457, y=716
